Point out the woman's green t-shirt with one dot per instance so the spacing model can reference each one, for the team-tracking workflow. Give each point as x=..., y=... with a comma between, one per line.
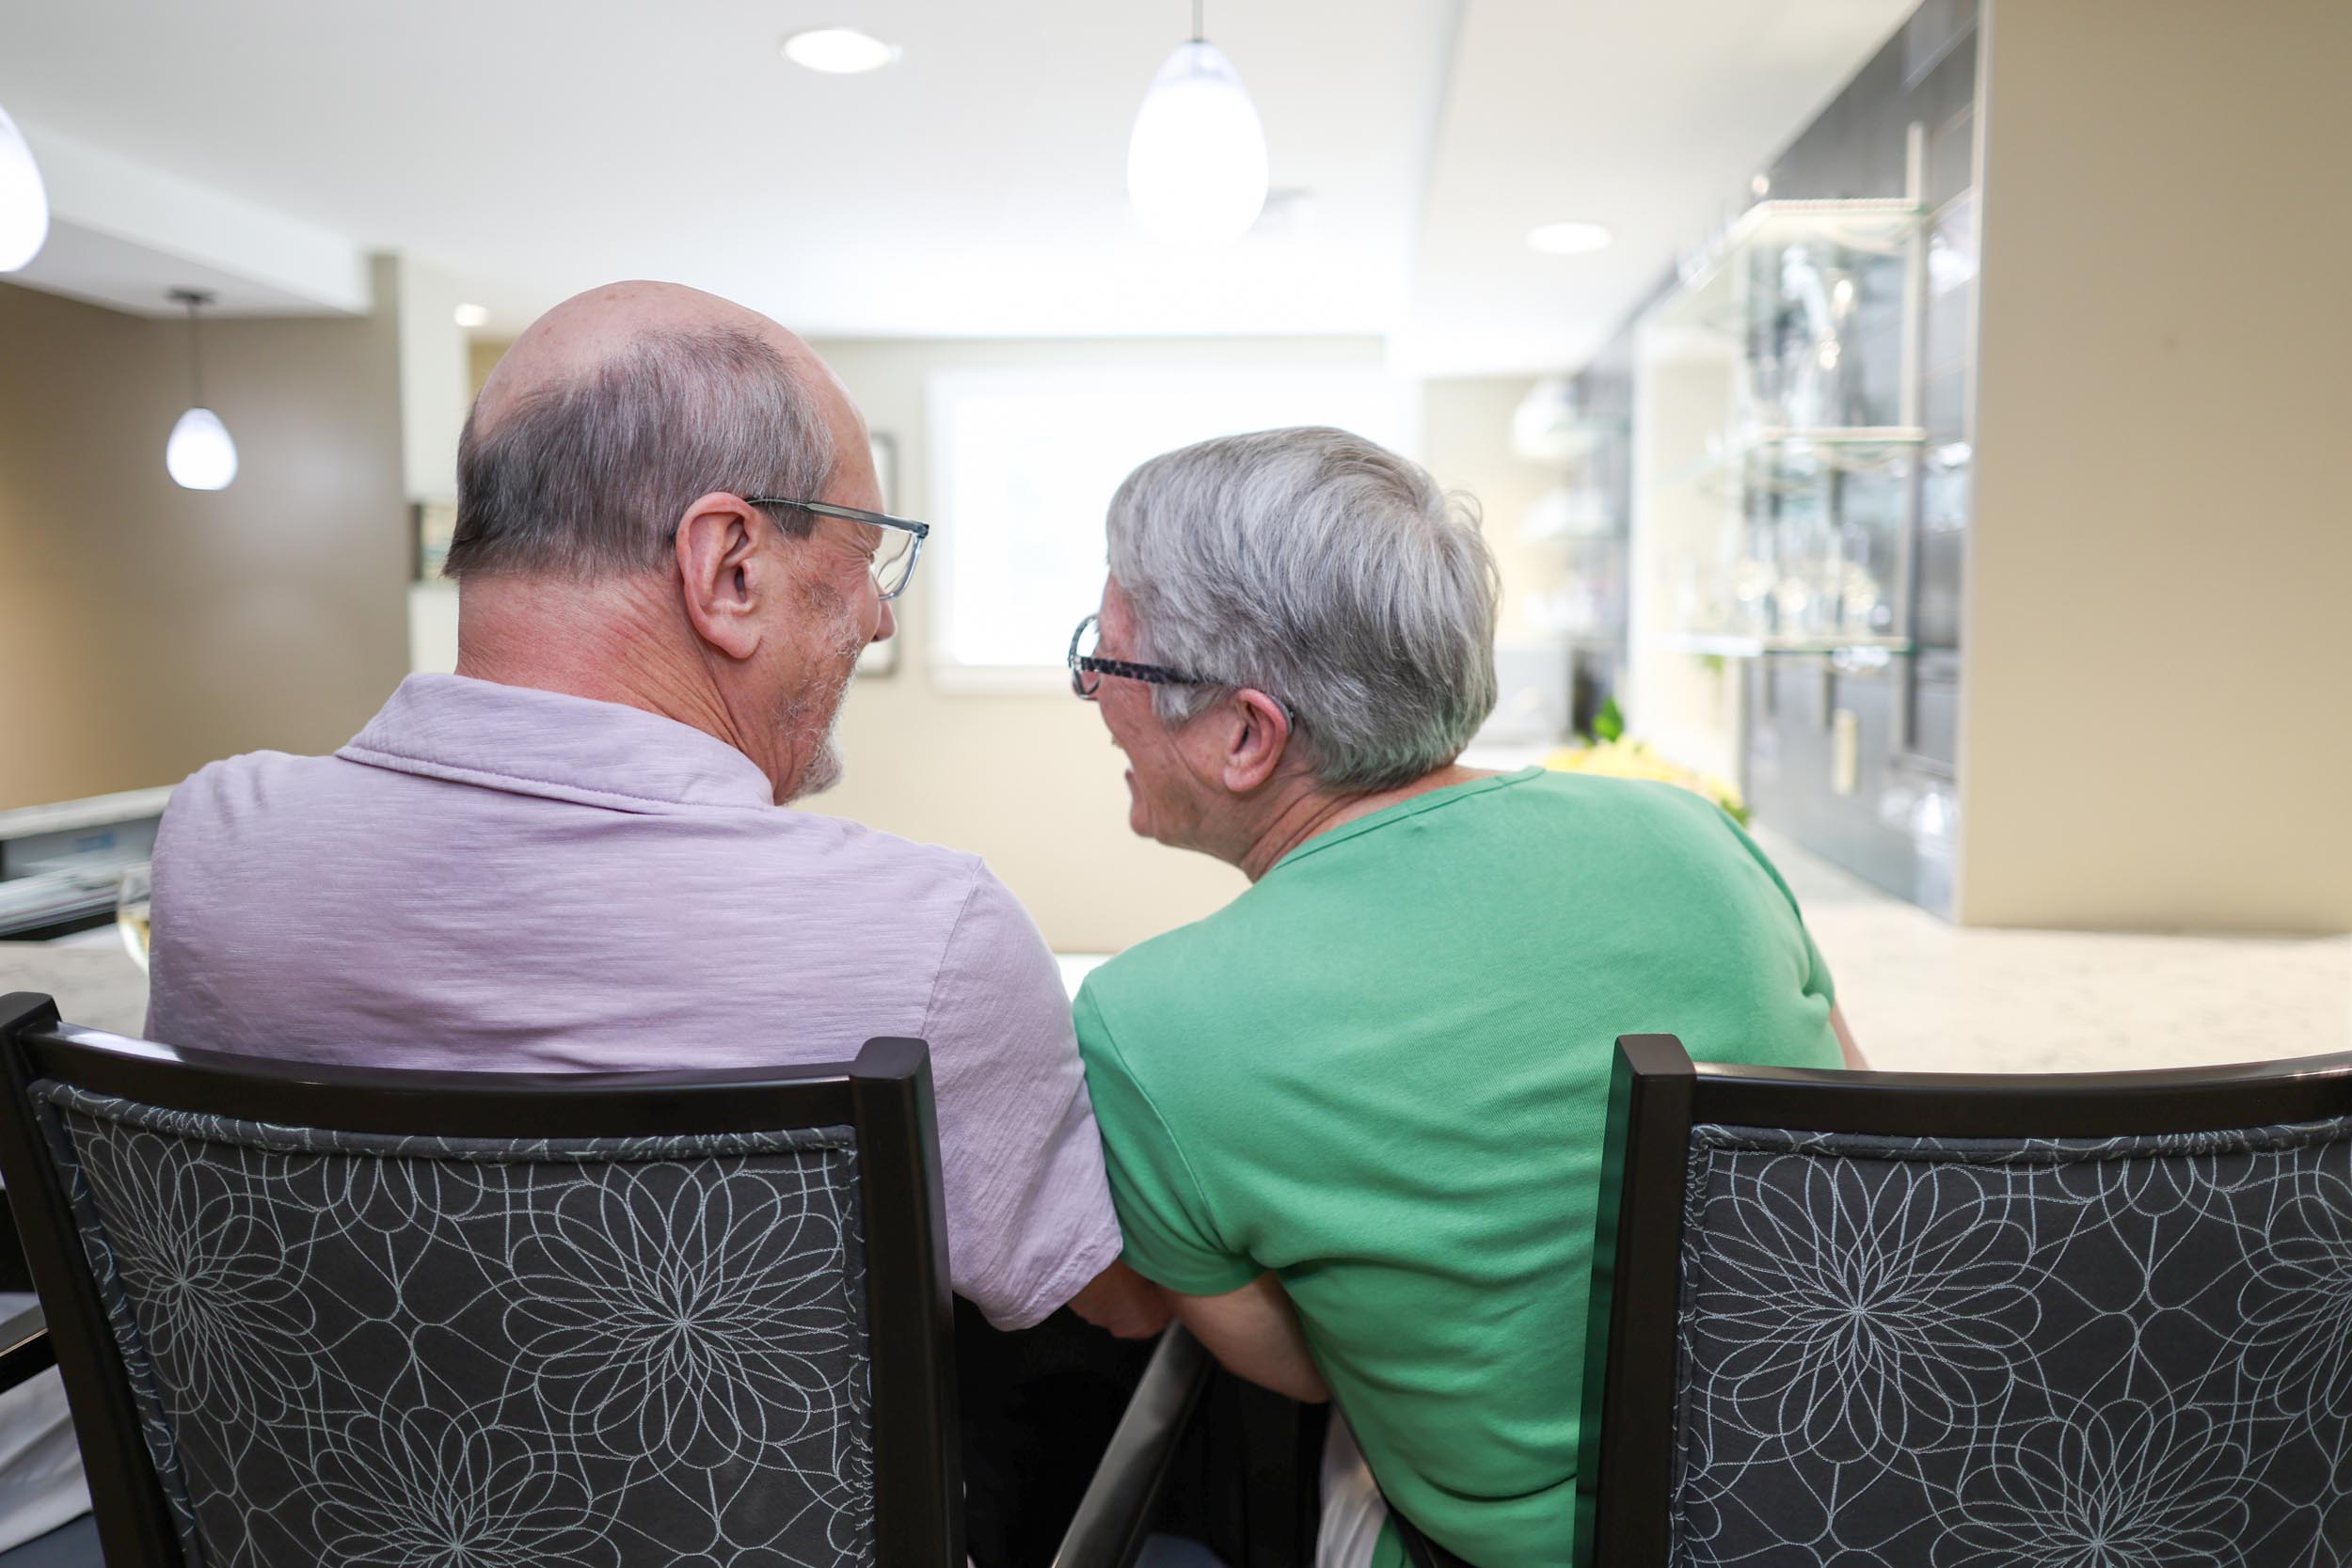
x=1382, y=1072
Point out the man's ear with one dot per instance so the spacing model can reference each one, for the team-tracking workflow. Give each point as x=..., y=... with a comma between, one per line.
x=722, y=574
x=1257, y=735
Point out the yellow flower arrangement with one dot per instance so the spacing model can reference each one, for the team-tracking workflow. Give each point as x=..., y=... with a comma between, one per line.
x=1614, y=753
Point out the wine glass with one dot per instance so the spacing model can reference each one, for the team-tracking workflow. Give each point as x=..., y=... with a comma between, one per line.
x=131, y=912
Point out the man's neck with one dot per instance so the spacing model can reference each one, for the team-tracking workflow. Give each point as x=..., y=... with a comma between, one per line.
x=598, y=640
x=1314, y=811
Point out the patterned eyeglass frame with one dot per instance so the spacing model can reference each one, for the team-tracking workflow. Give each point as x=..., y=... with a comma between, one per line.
x=1083, y=665
x=878, y=519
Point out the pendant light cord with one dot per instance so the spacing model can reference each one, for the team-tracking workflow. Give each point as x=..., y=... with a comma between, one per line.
x=194, y=299
x=1196, y=22
x=196, y=359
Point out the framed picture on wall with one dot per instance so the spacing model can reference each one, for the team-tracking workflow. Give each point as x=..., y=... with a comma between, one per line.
x=881, y=658
x=433, y=524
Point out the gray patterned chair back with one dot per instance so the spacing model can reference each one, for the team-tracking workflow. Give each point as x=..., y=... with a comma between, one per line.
x=358, y=1348
x=1983, y=1352
x=353, y=1349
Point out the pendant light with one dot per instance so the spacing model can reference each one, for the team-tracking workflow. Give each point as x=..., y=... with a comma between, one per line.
x=200, y=455
x=23, y=200
x=1197, y=162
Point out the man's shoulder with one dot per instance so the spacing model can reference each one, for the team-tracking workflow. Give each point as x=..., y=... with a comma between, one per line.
x=903, y=861
x=250, y=780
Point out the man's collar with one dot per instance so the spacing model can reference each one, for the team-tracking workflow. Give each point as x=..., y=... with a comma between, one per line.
x=527, y=741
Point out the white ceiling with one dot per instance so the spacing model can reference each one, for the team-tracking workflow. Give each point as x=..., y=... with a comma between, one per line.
x=1650, y=117
x=533, y=148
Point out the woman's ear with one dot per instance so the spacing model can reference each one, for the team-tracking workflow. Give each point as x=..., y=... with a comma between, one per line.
x=721, y=572
x=1258, y=733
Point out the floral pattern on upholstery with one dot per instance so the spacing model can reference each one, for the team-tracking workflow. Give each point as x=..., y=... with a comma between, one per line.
x=399, y=1352
x=2131, y=1353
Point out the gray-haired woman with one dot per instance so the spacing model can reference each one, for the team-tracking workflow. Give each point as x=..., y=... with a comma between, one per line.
x=1354, y=1118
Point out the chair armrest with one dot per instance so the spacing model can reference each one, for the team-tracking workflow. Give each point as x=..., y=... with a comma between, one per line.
x=25, y=1347
x=1115, y=1515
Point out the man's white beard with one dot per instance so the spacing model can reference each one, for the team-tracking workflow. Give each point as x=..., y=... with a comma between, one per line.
x=825, y=763
x=824, y=769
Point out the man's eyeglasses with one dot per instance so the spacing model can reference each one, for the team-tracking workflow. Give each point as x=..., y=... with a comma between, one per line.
x=901, y=543
x=1086, y=671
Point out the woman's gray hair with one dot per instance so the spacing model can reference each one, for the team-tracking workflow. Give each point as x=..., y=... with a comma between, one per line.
x=1322, y=569
x=589, y=477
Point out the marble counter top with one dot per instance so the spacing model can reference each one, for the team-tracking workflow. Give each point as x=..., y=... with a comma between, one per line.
x=1921, y=994
x=96, y=984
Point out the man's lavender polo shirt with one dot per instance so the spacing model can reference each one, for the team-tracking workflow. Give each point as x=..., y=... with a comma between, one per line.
x=493, y=877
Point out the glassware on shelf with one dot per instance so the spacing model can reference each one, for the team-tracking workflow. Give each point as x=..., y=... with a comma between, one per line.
x=131, y=912
x=1814, y=543
x=1817, y=295
x=1814, y=472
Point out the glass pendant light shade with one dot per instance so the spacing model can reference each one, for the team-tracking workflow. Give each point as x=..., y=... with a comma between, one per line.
x=1197, y=163
x=200, y=455
x=23, y=200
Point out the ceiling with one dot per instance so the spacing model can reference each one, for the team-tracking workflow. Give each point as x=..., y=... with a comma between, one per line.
x=535, y=147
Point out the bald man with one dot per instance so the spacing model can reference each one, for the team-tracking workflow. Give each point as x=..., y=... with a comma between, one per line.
x=571, y=855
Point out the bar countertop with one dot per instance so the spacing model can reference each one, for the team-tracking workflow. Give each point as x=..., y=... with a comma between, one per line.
x=1921, y=994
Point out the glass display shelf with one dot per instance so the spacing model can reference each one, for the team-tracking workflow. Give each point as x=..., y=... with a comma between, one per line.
x=1731, y=468
x=1796, y=544
x=1734, y=645
x=1813, y=303
x=1718, y=290
x=1569, y=515
x=1575, y=441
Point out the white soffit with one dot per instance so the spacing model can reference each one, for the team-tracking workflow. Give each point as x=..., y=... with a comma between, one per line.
x=123, y=233
x=1649, y=119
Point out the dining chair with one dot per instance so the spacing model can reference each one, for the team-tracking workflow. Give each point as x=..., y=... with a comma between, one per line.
x=1209, y=1455
x=312, y=1315
x=1867, y=1318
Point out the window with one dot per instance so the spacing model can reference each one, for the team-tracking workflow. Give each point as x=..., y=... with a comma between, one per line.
x=1024, y=465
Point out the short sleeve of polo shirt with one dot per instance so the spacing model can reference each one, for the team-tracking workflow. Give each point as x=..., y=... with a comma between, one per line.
x=1173, y=1234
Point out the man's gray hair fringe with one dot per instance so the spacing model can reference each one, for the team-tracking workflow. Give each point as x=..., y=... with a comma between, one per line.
x=588, y=478
x=1324, y=570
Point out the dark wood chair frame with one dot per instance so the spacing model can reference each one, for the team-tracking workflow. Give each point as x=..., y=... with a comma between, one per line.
x=1657, y=1095
x=885, y=1095
x=1266, y=1452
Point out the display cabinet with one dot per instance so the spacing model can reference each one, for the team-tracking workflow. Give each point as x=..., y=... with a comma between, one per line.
x=1793, y=530
x=1777, y=460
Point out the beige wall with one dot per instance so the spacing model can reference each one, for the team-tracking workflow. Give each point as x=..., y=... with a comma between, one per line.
x=1466, y=442
x=1029, y=781
x=146, y=629
x=482, y=357
x=2158, y=729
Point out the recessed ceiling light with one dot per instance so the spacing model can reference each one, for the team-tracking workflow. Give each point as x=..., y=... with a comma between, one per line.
x=472, y=315
x=1568, y=239
x=840, y=51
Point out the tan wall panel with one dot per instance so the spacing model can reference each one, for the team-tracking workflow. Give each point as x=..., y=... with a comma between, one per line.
x=146, y=629
x=2157, y=728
